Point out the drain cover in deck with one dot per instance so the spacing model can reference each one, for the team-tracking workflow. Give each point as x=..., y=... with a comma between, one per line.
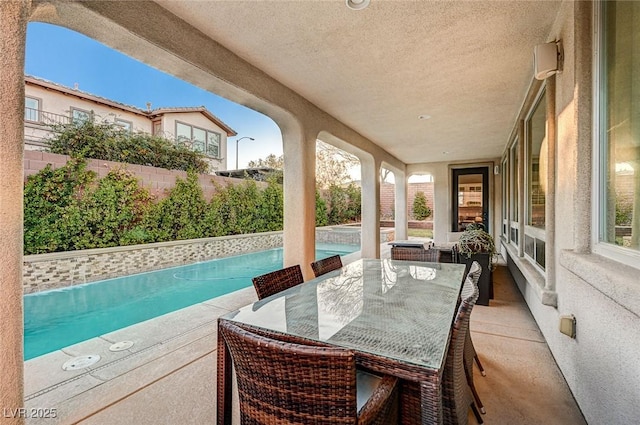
x=81, y=362
x=121, y=346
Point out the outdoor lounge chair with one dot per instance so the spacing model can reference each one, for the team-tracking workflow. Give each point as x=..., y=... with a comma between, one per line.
x=287, y=383
x=326, y=265
x=279, y=280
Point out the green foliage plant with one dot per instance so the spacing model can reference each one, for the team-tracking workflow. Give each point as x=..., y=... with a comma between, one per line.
x=180, y=215
x=105, y=141
x=109, y=211
x=344, y=204
x=476, y=241
x=48, y=197
x=420, y=208
x=322, y=218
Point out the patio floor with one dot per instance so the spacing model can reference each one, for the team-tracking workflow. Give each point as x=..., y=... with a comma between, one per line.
x=169, y=375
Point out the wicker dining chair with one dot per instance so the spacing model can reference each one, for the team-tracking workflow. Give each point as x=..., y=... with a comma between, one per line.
x=470, y=353
x=415, y=254
x=457, y=397
x=326, y=265
x=279, y=280
x=456, y=392
x=287, y=383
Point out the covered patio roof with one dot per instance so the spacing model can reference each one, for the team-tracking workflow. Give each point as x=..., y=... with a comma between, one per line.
x=465, y=64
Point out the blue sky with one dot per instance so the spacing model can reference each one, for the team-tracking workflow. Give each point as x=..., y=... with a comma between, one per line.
x=67, y=57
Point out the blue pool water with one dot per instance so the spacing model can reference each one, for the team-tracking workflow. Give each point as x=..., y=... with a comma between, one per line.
x=59, y=318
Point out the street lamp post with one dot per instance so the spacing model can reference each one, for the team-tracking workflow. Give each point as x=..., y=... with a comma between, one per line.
x=237, y=140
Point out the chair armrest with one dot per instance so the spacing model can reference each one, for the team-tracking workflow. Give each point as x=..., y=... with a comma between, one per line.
x=382, y=406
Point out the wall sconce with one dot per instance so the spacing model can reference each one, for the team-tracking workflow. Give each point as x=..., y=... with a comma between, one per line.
x=357, y=4
x=547, y=59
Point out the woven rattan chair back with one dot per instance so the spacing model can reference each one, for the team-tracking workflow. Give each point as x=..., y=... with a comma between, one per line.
x=457, y=396
x=415, y=254
x=470, y=354
x=287, y=383
x=279, y=280
x=326, y=265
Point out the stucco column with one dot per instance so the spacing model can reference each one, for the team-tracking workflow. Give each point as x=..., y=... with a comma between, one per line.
x=401, y=211
x=299, y=199
x=13, y=29
x=370, y=208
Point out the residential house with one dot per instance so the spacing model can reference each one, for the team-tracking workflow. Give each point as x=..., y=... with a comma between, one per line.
x=48, y=103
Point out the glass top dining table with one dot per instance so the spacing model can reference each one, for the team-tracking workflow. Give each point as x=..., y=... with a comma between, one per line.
x=395, y=315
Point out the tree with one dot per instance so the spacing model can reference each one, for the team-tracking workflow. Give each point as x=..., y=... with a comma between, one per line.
x=332, y=165
x=420, y=208
x=271, y=161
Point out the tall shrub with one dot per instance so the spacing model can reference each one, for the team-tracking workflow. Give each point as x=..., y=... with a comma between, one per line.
x=271, y=207
x=180, y=215
x=420, y=208
x=109, y=211
x=48, y=196
x=322, y=218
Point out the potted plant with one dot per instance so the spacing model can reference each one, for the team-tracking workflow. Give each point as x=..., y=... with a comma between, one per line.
x=475, y=244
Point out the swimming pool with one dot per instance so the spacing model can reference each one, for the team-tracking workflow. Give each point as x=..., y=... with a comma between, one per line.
x=59, y=318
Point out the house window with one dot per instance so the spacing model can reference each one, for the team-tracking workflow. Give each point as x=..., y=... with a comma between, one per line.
x=32, y=109
x=618, y=138
x=513, y=193
x=213, y=144
x=126, y=125
x=200, y=140
x=537, y=165
x=80, y=116
x=536, y=181
x=505, y=198
x=157, y=128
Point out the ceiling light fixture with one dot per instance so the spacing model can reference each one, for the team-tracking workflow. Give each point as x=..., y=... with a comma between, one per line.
x=357, y=4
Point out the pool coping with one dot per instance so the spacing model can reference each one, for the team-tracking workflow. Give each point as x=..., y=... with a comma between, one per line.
x=162, y=345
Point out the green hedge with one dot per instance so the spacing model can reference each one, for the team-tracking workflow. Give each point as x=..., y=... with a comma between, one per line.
x=70, y=208
x=108, y=142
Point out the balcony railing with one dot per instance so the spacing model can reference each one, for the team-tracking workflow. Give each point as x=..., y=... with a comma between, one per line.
x=44, y=117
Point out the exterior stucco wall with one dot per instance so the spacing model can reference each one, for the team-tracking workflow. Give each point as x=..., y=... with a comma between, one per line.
x=61, y=104
x=600, y=365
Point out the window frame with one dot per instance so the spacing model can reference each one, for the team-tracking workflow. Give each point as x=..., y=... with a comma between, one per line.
x=536, y=233
x=514, y=195
x=119, y=122
x=599, y=246
x=506, y=198
x=38, y=110
x=207, y=132
x=73, y=109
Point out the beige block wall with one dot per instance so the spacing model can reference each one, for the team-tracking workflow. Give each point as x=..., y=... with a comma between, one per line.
x=156, y=180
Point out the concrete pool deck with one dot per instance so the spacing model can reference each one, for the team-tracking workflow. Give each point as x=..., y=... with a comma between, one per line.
x=169, y=375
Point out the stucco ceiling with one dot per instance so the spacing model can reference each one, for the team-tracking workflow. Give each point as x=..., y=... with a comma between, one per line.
x=466, y=64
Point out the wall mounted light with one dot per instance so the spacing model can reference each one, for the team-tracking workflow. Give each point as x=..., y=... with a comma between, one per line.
x=357, y=4
x=547, y=59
